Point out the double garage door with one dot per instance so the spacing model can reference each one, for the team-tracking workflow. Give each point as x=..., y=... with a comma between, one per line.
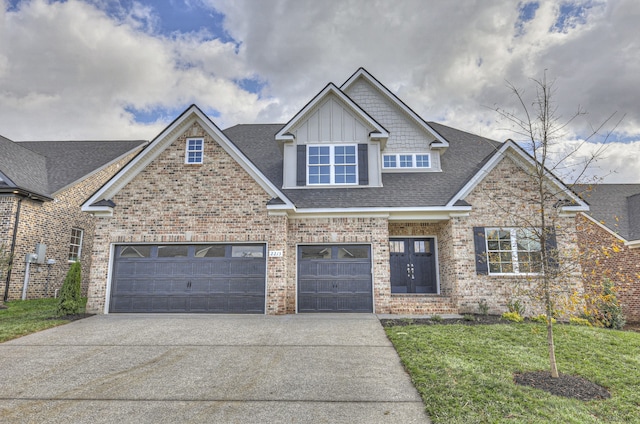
x=211, y=278
x=231, y=278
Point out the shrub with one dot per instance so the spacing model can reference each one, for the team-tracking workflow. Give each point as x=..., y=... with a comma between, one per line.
x=542, y=318
x=580, y=321
x=436, y=318
x=513, y=316
x=469, y=317
x=608, y=309
x=483, y=307
x=515, y=305
x=70, y=302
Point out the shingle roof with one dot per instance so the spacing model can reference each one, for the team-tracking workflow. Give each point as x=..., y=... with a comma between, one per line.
x=69, y=161
x=465, y=155
x=44, y=167
x=24, y=168
x=617, y=206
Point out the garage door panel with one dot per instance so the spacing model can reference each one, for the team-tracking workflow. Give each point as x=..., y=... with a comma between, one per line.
x=202, y=281
x=334, y=278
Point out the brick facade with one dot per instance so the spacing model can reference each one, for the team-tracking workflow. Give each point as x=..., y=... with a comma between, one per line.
x=50, y=223
x=498, y=202
x=604, y=255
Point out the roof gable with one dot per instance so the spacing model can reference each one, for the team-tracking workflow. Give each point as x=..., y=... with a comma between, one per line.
x=510, y=148
x=354, y=112
x=362, y=74
x=97, y=202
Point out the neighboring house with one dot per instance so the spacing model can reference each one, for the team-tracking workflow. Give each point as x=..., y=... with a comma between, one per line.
x=42, y=186
x=355, y=205
x=609, y=236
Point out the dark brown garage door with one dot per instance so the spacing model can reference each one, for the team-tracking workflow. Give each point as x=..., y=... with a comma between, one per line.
x=334, y=278
x=210, y=278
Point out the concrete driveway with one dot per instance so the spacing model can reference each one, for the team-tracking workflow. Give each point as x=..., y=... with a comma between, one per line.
x=209, y=369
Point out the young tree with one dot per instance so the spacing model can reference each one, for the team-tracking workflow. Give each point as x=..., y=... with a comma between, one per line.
x=540, y=132
x=70, y=294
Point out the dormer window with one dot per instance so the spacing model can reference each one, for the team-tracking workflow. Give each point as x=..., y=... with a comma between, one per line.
x=333, y=164
x=406, y=161
x=194, y=152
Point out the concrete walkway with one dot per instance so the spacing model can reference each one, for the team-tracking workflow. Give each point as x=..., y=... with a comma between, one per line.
x=208, y=369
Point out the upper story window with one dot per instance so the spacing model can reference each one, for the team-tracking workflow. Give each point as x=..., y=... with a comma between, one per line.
x=75, y=245
x=406, y=161
x=332, y=164
x=194, y=151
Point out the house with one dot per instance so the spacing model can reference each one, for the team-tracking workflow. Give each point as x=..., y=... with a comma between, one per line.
x=356, y=204
x=609, y=237
x=42, y=186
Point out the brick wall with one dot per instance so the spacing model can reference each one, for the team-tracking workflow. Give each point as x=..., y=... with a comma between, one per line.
x=170, y=201
x=498, y=201
x=50, y=223
x=605, y=256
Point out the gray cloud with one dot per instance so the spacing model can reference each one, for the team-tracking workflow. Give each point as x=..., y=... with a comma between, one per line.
x=69, y=70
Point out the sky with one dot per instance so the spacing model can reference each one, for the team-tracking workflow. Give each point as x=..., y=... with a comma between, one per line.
x=124, y=69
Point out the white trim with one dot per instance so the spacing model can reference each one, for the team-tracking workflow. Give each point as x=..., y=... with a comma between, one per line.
x=441, y=142
x=160, y=143
x=112, y=254
x=79, y=245
x=511, y=147
x=380, y=132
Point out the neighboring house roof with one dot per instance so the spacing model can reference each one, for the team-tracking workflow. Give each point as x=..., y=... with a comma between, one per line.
x=43, y=168
x=22, y=169
x=616, y=206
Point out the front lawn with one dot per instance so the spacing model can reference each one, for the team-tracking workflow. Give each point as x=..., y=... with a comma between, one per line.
x=465, y=374
x=28, y=316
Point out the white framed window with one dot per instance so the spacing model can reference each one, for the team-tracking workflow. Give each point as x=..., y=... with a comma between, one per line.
x=406, y=161
x=513, y=251
x=194, y=152
x=75, y=245
x=333, y=164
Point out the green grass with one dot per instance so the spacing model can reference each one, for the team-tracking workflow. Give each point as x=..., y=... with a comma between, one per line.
x=28, y=316
x=465, y=373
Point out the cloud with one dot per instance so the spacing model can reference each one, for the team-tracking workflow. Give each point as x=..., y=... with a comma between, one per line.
x=87, y=69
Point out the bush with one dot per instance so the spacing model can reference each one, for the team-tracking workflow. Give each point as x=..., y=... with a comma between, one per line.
x=580, y=321
x=70, y=301
x=483, y=307
x=515, y=305
x=513, y=316
x=436, y=318
x=542, y=318
x=609, y=311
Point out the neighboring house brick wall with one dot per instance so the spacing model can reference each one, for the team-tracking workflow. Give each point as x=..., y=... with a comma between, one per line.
x=170, y=201
x=498, y=202
x=51, y=223
x=605, y=256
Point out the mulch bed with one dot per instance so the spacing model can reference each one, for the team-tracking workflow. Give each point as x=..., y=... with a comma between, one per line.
x=565, y=385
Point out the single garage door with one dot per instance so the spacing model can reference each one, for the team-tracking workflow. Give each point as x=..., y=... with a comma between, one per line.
x=213, y=278
x=334, y=278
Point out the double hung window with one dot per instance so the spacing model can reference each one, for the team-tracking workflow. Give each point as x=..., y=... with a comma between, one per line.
x=75, y=245
x=194, y=151
x=332, y=164
x=513, y=251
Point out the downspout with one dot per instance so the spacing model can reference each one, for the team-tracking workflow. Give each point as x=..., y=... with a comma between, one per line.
x=12, y=249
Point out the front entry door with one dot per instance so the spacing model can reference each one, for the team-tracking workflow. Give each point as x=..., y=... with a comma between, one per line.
x=413, y=265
